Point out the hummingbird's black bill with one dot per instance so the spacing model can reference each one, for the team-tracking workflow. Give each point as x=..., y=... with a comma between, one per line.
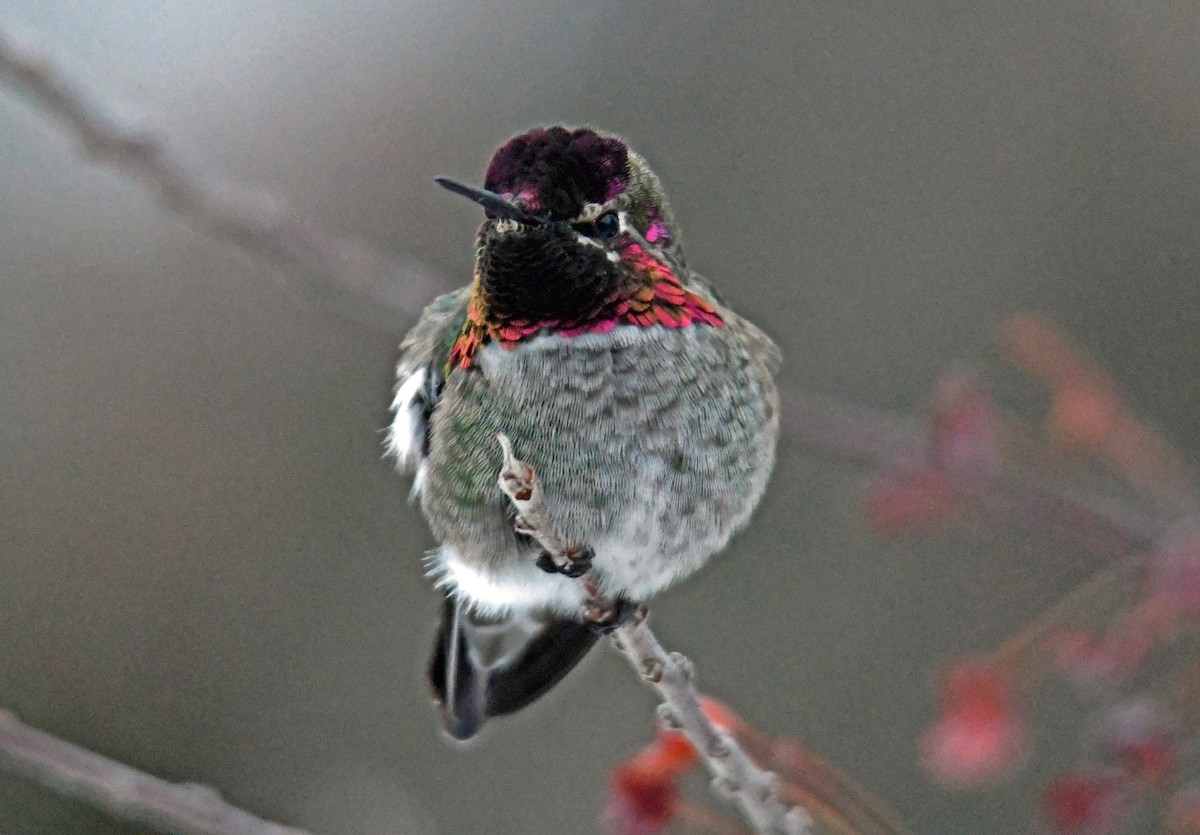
x=491, y=201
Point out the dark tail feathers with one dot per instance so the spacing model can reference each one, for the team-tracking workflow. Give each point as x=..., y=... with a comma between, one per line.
x=483, y=668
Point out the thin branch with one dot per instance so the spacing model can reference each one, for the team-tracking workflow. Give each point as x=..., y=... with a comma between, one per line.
x=129, y=794
x=334, y=268
x=758, y=793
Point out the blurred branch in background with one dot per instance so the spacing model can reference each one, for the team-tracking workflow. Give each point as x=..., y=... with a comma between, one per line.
x=339, y=269
x=1125, y=640
x=121, y=791
x=965, y=456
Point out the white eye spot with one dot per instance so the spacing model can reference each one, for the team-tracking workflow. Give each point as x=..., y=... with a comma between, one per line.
x=613, y=256
x=505, y=225
x=584, y=239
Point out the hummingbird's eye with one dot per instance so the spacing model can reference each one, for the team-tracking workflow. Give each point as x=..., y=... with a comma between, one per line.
x=608, y=226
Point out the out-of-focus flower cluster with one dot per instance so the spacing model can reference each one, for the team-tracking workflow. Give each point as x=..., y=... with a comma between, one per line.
x=1103, y=638
x=645, y=795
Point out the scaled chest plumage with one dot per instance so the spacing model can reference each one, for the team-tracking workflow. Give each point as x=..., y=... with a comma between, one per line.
x=652, y=443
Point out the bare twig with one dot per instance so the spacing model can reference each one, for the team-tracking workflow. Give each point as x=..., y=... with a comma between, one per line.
x=334, y=268
x=757, y=792
x=129, y=794
x=735, y=776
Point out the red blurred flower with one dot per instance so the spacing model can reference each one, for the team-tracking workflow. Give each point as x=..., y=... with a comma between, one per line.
x=643, y=797
x=979, y=737
x=1085, y=802
x=1142, y=737
x=900, y=502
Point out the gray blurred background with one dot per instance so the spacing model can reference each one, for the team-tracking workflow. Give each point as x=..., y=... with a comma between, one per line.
x=206, y=569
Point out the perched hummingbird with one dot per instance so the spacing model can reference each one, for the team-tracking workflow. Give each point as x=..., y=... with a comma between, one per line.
x=646, y=406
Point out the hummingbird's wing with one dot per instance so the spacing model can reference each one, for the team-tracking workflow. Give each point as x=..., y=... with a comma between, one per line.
x=489, y=667
x=419, y=378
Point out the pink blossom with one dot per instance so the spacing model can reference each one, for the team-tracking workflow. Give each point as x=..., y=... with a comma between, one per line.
x=979, y=737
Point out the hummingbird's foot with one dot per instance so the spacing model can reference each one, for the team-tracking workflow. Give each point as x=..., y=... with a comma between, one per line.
x=573, y=563
x=605, y=615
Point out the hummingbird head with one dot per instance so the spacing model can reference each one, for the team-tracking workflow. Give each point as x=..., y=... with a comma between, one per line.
x=576, y=223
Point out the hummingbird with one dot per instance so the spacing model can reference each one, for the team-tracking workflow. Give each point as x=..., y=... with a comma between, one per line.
x=646, y=406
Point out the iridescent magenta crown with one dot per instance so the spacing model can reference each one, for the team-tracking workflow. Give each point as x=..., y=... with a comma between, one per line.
x=555, y=171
